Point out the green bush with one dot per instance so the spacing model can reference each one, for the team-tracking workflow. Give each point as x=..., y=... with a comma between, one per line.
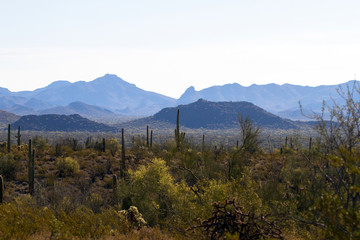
x=67, y=166
x=8, y=166
x=20, y=219
x=153, y=190
x=23, y=219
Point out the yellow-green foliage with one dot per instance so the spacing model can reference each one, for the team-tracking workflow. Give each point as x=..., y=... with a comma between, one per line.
x=113, y=145
x=67, y=166
x=195, y=202
x=21, y=218
x=153, y=190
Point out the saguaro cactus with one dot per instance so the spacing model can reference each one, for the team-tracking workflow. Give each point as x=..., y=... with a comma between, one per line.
x=151, y=138
x=103, y=145
x=30, y=148
x=9, y=139
x=203, y=143
x=177, y=130
x=179, y=137
x=31, y=171
x=123, y=163
x=18, y=136
x=147, y=135
x=115, y=189
x=30, y=167
x=1, y=189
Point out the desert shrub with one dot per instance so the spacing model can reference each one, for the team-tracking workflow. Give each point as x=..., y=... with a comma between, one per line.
x=232, y=221
x=21, y=219
x=8, y=166
x=67, y=166
x=82, y=223
x=95, y=202
x=113, y=145
x=196, y=201
x=152, y=189
x=40, y=144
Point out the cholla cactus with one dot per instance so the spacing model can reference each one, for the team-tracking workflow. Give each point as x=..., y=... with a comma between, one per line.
x=134, y=217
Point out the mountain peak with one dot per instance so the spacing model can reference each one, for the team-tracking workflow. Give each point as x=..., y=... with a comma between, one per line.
x=190, y=89
x=109, y=75
x=4, y=91
x=190, y=95
x=58, y=84
x=110, y=79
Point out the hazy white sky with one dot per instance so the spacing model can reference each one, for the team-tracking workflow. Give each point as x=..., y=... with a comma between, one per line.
x=168, y=45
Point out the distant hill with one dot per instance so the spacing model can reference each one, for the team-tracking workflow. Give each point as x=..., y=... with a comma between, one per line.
x=7, y=118
x=62, y=123
x=217, y=115
x=278, y=99
x=83, y=109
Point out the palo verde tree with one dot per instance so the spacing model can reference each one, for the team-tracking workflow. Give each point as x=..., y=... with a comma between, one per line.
x=249, y=144
x=337, y=169
x=249, y=135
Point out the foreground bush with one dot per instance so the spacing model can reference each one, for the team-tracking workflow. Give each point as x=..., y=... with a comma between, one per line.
x=22, y=219
x=231, y=220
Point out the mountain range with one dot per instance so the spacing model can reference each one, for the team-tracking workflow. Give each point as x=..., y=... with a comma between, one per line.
x=201, y=114
x=109, y=96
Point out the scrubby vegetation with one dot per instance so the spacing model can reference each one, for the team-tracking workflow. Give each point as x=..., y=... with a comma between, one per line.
x=178, y=189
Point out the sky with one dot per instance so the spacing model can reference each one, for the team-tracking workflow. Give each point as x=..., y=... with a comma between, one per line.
x=166, y=46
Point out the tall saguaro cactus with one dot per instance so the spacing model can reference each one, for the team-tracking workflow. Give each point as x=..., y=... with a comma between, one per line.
x=1, y=189
x=103, y=145
x=151, y=138
x=30, y=148
x=9, y=139
x=31, y=172
x=179, y=137
x=203, y=143
x=18, y=136
x=123, y=163
x=147, y=135
x=115, y=189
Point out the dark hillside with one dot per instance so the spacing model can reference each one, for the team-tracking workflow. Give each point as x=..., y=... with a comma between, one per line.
x=62, y=123
x=212, y=115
